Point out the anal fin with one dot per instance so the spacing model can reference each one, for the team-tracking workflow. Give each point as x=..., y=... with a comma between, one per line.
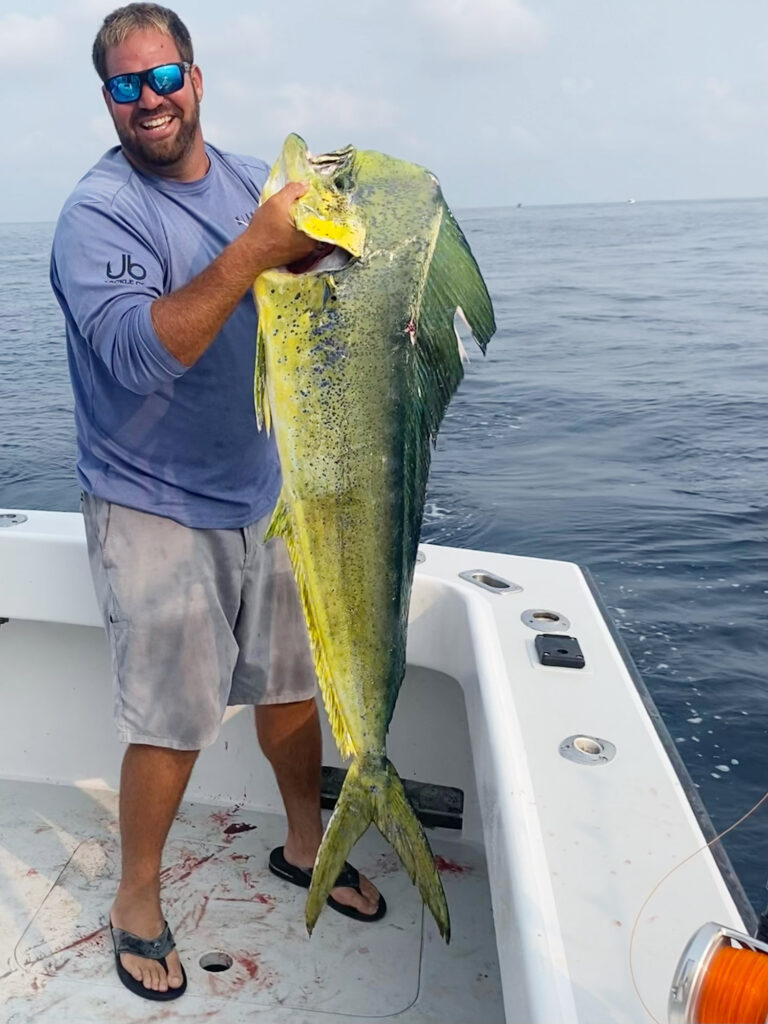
x=281, y=526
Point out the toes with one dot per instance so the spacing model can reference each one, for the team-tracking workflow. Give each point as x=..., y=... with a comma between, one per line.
x=174, y=970
x=370, y=892
x=370, y=895
x=366, y=901
x=150, y=974
x=133, y=968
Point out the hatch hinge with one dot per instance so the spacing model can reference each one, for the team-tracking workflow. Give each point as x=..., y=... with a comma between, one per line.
x=435, y=806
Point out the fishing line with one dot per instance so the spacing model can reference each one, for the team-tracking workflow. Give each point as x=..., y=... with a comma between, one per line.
x=663, y=879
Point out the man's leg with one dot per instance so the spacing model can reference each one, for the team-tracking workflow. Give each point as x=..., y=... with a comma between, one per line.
x=289, y=735
x=152, y=783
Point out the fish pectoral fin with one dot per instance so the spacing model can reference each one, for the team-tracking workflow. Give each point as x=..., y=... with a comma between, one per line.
x=375, y=794
x=281, y=525
x=260, y=394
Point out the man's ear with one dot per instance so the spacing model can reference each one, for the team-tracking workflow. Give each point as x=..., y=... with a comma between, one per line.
x=197, y=81
x=106, y=96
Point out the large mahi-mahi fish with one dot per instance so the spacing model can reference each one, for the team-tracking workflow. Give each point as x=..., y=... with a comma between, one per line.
x=357, y=358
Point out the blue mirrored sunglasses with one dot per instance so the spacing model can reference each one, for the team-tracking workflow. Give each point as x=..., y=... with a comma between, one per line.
x=163, y=79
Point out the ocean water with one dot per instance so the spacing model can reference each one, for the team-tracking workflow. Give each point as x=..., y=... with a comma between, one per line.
x=618, y=421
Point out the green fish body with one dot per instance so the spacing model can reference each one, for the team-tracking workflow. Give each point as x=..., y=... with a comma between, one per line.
x=357, y=359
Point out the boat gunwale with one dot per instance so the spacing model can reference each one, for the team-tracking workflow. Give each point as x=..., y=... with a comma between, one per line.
x=716, y=848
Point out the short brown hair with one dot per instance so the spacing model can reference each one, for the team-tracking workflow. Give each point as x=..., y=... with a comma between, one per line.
x=134, y=18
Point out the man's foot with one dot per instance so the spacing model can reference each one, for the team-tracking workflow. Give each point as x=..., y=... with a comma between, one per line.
x=356, y=896
x=140, y=915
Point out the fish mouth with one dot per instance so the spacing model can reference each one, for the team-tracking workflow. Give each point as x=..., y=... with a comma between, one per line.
x=325, y=212
x=324, y=259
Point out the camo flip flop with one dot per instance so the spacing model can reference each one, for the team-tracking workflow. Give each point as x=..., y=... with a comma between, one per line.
x=348, y=877
x=152, y=949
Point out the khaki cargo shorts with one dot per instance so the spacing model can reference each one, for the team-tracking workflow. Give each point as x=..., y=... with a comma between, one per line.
x=196, y=620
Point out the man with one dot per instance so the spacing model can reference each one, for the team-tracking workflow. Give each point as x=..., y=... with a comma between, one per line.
x=153, y=258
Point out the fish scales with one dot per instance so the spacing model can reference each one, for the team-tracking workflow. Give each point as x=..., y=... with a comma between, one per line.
x=356, y=360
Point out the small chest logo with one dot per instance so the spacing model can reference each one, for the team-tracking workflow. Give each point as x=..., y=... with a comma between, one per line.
x=129, y=271
x=244, y=219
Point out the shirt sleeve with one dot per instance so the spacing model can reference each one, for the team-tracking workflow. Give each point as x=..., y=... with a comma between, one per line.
x=105, y=275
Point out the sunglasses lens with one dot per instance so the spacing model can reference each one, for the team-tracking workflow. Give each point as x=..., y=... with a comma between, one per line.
x=167, y=78
x=124, y=88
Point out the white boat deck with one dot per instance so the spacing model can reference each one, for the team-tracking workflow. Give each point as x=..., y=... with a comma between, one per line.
x=547, y=880
x=59, y=868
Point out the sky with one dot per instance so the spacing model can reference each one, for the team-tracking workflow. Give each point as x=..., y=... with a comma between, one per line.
x=506, y=101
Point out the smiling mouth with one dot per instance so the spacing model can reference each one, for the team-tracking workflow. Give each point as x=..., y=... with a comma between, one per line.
x=155, y=124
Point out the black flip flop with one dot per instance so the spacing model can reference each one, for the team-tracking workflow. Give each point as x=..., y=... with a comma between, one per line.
x=153, y=949
x=349, y=877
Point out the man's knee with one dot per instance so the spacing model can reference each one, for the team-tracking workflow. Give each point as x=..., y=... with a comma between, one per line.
x=278, y=724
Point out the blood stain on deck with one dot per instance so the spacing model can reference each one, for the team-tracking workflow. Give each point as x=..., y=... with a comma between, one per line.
x=387, y=864
x=223, y=818
x=178, y=872
x=98, y=935
x=237, y=827
x=450, y=867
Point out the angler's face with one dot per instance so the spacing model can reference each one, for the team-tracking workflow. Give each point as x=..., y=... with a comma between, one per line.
x=159, y=134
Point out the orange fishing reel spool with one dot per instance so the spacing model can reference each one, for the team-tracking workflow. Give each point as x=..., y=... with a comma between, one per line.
x=722, y=978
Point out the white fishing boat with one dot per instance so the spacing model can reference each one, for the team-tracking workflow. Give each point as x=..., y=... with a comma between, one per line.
x=562, y=820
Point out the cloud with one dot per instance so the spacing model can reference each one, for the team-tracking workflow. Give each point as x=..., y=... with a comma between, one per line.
x=23, y=38
x=482, y=29
x=295, y=107
x=249, y=35
x=521, y=138
x=719, y=113
x=577, y=87
x=91, y=11
x=101, y=129
x=346, y=110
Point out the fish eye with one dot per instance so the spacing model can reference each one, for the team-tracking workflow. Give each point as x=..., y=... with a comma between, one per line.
x=342, y=181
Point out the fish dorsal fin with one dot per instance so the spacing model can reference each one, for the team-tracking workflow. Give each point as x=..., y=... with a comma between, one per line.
x=452, y=284
x=280, y=526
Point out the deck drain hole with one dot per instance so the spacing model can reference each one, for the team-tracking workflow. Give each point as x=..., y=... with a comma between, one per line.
x=216, y=962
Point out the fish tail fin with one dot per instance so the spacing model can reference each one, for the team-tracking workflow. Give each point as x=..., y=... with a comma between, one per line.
x=374, y=793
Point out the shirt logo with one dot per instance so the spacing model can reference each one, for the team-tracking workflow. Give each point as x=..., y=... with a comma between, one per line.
x=129, y=271
x=244, y=219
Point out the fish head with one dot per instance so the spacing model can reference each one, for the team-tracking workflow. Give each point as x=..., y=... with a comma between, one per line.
x=326, y=211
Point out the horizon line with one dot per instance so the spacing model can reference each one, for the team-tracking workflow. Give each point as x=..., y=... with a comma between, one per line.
x=539, y=206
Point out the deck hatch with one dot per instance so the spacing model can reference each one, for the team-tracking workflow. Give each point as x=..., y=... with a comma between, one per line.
x=435, y=806
x=490, y=581
x=12, y=518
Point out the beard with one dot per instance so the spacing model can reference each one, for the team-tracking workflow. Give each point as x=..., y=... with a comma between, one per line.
x=164, y=152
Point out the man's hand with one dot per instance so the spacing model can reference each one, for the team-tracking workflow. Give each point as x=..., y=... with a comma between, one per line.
x=187, y=320
x=273, y=233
